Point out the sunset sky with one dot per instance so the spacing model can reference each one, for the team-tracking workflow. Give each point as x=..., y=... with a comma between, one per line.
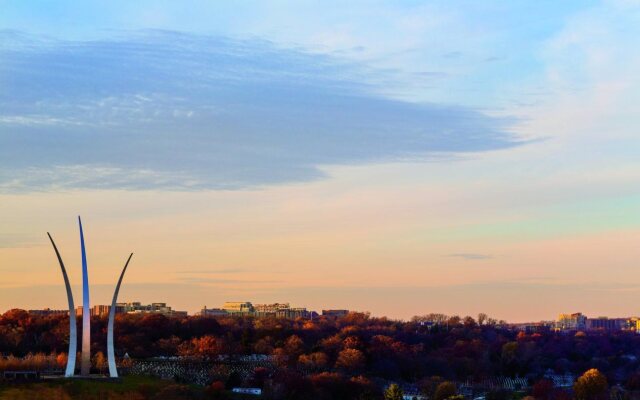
x=393, y=157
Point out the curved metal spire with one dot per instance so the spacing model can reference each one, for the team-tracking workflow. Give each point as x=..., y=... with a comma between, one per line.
x=73, y=336
x=85, y=362
x=113, y=372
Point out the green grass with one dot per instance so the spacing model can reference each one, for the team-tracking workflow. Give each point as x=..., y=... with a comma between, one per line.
x=131, y=387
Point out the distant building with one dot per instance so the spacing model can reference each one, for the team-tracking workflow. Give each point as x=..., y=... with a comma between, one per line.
x=100, y=310
x=280, y=310
x=607, y=324
x=265, y=310
x=571, y=322
x=47, y=311
x=104, y=310
x=154, y=308
x=238, y=307
x=251, y=391
x=534, y=327
x=579, y=322
x=633, y=324
x=246, y=308
x=212, y=312
x=134, y=308
x=293, y=313
x=335, y=313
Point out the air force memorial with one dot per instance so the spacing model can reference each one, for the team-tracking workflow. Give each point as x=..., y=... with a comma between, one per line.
x=85, y=362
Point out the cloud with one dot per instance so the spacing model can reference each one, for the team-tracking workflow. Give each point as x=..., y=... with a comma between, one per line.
x=211, y=281
x=213, y=271
x=166, y=110
x=17, y=240
x=471, y=256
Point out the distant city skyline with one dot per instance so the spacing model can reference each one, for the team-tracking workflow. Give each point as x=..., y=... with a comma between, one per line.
x=392, y=157
x=575, y=320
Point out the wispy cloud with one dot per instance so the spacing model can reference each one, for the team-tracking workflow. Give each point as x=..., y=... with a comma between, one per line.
x=211, y=281
x=471, y=256
x=166, y=110
x=18, y=240
x=213, y=271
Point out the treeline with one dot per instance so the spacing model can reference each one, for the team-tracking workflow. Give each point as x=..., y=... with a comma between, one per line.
x=356, y=352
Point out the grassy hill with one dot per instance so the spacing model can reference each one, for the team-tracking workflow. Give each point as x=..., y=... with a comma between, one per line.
x=130, y=388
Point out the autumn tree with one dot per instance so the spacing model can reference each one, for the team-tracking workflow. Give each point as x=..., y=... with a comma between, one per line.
x=352, y=342
x=216, y=390
x=543, y=389
x=393, y=392
x=364, y=387
x=294, y=346
x=469, y=322
x=429, y=385
x=61, y=360
x=445, y=390
x=592, y=385
x=99, y=361
x=350, y=359
x=314, y=361
x=205, y=346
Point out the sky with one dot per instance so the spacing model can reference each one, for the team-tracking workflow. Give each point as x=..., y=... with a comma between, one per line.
x=396, y=157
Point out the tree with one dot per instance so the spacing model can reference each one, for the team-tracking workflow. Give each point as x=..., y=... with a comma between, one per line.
x=216, y=390
x=363, y=388
x=499, y=394
x=61, y=360
x=482, y=318
x=543, y=389
x=429, y=385
x=393, y=392
x=205, y=346
x=350, y=359
x=99, y=361
x=445, y=390
x=509, y=352
x=294, y=346
x=633, y=383
x=592, y=385
x=352, y=342
x=454, y=320
x=314, y=361
x=469, y=322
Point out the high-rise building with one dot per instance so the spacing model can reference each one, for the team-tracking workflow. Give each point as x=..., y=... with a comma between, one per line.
x=133, y=308
x=607, y=324
x=246, y=308
x=534, y=327
x=293, y=313
x=633, y=324
x=238, y=307
x=47, y=311
x=99, y=310
x=154, y=308
x=571, y=322
x=335, y=313
x=265, y=310
x=212, y=312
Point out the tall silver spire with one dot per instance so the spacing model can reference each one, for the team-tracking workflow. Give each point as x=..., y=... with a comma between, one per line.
x=73, y=336
x=113, y=372
x=85, y=362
